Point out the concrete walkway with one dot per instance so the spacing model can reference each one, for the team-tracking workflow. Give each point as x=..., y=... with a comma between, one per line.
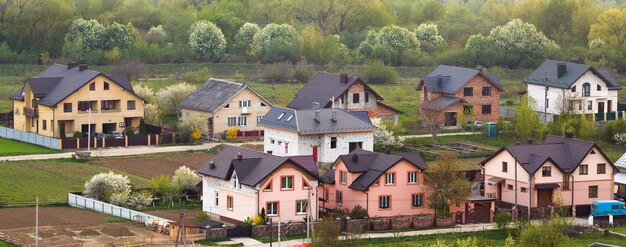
x=122, y=151
x=443, y=134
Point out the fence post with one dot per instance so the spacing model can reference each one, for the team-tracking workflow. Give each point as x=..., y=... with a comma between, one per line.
x=157, y=139
x=610, y=219
x=125, y=141
x=104, y=142
x=590, y=220
x=148, y=140
x=95, y=142
x=77, y=143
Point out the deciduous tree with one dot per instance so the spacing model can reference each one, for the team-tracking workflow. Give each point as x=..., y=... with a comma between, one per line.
x=446, y=184
x=207, y=40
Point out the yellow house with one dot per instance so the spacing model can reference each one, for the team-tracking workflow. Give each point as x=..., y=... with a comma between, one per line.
x=59, y=98
x=225, y=104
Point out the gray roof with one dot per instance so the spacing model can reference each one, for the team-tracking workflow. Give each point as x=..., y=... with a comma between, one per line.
x=303, y=121
x=440, y=103
x=453, y=79
x=321, y=88
x=373, y=165
x=214, y=94
x=254, y=166
x=57, y=82
x=573, y=72
x=565, y=153
x=621, y=162
x=328, y=177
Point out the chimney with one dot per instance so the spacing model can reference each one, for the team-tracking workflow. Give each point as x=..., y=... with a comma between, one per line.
x=355, y=158
x=561, y=69
x=212, y=165
x=343, y=78
x=479, y=68
x=529, y=141
x=71, y=65
x=239, y=156
x=317, y=116
x=316, y=105
x=334, y=115
x=439, y=81
x=82, y=67
x=569, y=134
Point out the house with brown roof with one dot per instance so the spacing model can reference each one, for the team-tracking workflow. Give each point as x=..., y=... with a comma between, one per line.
x=451, y=94
x=339, y=90
x=382, y=184
x=571, y=171
x=239, y=183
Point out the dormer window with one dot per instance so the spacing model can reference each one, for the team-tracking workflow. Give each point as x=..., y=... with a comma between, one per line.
x=106, y=86
x=281, y=116
x=573, y=89
x=227, y=106
x=92, y=86
x=289, y=118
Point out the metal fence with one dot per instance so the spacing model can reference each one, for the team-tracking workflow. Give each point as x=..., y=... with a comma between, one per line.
x=79, y=201
x=22, y=136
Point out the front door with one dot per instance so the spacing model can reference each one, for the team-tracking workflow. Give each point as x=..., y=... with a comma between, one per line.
x=210, y=125
x=600, y=107
x=544, y=197
x=315, y=153
x=450, y=119
x=609, y=105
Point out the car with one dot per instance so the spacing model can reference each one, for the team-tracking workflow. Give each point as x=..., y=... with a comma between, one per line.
x=117, y=135
x=600, y=208
x=99, y=135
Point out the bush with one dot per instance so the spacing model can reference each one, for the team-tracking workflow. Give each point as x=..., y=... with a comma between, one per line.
x=620, y=138
x=614, y=127
x=377, y=72
x=278, y=72
x=104, y=185
x=140, y=199
x=326, y=233
x=163, y=187
x=232, y=133
x=189, y=129
x=503, y=218
x=358, y=212
x=547, y=234
x=303, y=72
x=185, y=180
x=78, y=134
x=119, y=199
x=129, y=131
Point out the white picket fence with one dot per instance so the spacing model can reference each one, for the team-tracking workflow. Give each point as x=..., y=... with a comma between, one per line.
x=107, y=208
x=32, y=138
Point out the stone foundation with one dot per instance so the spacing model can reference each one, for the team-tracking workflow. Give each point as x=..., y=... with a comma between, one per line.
x=216, y=233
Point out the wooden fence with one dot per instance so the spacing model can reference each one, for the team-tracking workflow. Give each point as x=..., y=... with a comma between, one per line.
x=10, y=239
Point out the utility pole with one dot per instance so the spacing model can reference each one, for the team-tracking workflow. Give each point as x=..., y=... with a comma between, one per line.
x=89, y=130
x=515, y=167
x=545, y=102
x=529, y=195
x=37, y=221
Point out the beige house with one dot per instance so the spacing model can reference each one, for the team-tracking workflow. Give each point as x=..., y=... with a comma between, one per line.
x=225, y=104
x=58, y=99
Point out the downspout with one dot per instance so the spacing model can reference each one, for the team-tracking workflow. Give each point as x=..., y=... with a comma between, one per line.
x=367, y=202
x=573, y=210
x=258, y=200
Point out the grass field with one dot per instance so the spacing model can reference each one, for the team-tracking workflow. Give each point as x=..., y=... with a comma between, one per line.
x=6, y=244
x=12, y=147
x=620, y=229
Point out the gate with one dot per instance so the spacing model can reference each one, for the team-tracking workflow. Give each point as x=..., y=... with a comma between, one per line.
x=479, y=214
x=239, y=231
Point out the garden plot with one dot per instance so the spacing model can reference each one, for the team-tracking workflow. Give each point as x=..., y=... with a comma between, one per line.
x=461, y=149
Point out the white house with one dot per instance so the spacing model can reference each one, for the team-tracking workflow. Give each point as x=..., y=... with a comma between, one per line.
x=572, y=87
x=324, y=133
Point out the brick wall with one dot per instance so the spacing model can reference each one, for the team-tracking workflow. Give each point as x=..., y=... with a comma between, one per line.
x=477, y=100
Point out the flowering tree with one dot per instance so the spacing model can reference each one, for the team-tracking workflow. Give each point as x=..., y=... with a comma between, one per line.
x=385, y=139
x=156, y=35
x=519, y=37
x=152, y=114
x=168, y=98
x=186, y=179
x=86, y=32
x=428, y=36
x=245, y=37
x=388, y=44
x=104, y=186
x=276, y=43
x=207, y=40
x=477, y=43
x=117, y=35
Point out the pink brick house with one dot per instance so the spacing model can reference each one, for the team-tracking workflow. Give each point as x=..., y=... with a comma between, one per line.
x=383, y=184
x=239, y=183
x=560, y=169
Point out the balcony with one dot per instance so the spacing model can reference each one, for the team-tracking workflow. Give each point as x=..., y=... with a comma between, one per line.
x=245, y=111
x=31, y=112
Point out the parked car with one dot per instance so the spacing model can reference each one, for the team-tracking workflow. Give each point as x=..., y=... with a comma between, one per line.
x=600, y=208
x=99, y=135
x=116, y=135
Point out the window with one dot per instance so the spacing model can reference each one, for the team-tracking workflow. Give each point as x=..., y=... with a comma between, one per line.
x=242, y=121
x=355, y=98
x=84, y=105
x=232, y=121
x=467, y=109
x=523, y=189
x=468, y=91
x=286, y=183
x=280, y=116
x=486, y=109
x=259, y=118
x=229, y=203
x=505, y=167
x=339, y=197
x=272, y=208
x=305, y=184
x=263, y=103
x=593, y=191
x=509, y=187
x=268, y=187
x=227, y=106
x=412, y=177
x=106, y=86
x=416, y=200
x=367, y=97
x=583, y=170
x=390, y=178
x=92, y=86
x=586, y=89
x=44, y=124
x=108, y=105
x=598, y=87
x=333, y=142
x=289, y=118
x=590, y=105
x=601, y=169
x=326, y=194
x=272, y=141
x=384, y=202
x=67, y=107
x=486, y=91
x=130, y=105
x=343, y=177
x=235, y=181
x=566, y=182
x=574, y=89
x=244, y=103
x=546, y=171
x=547, y=102
x=301, y=207
x=286, y=147
x=217, y=198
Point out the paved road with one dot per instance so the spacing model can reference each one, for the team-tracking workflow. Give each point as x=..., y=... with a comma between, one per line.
x=120, y=151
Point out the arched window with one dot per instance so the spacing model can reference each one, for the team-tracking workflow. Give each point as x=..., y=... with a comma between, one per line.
x=586, y=89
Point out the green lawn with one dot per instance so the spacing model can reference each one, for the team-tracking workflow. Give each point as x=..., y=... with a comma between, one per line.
x=7, y=244
x=495, y=142
x=285, y=238
x=12, y=147
x=50, y=179
x=620, y=229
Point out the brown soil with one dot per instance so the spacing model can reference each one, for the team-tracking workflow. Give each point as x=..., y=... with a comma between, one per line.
x=55, y=232
x=89, y=233
x=116, y=231
x=11, y=218
x=257, y=147
x=173, y=214
x=152, y=166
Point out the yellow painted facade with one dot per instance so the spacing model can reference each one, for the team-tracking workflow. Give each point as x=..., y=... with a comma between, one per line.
x=105, y=117
x=220, y=117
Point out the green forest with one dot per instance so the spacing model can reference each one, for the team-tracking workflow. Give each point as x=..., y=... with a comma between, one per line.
x=507, y=33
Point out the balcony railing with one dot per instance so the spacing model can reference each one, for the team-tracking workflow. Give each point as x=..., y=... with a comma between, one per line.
x=31, y=112
x=245, y=111
x=110, y=110
x=86, y=111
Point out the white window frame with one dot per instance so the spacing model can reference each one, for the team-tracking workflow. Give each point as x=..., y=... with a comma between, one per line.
x=343, y=177
x=301, y=207
x=412, y=177
x=390, y=178
x=384, y=202
x=283, y=183
x=417, y=198
x=272, y=206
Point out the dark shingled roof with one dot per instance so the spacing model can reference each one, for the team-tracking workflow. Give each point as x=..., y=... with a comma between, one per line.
x=363, y=115
x=565, y=153
x=254, y=166
x=328, y=177
x=373, y=164
x=573, y=72
x=214, y=94
x=303, y=121
x=57, y=82
x=453, y=79
x=321, y=88
x=440, y=103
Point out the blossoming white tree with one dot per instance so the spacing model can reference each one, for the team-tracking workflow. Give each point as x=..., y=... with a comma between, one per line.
x=207, y=40
x=168, y=98
x=107, y=185
x=384, y=139
x=186, y=179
